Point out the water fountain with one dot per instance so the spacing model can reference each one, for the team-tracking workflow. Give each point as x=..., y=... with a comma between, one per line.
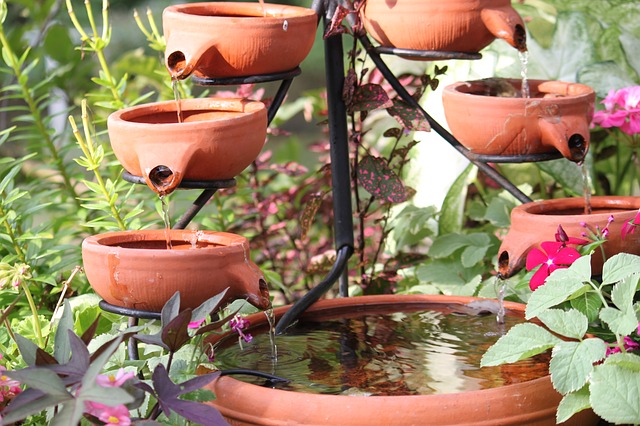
x=531, y=401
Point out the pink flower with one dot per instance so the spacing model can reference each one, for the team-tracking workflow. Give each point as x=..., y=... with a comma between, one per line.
x=630, y=226
x=118, y=415
x=554, y=255
x=196, y=324
x=9, y=388
x=239, y=324
x=111, y=380
x=629, y=345
x=622, y=110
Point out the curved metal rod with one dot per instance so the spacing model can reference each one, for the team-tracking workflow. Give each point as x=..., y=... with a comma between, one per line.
x=402, y=92
x=342, y=256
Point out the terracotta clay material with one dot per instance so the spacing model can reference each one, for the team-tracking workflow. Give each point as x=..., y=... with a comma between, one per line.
x=219, y=39
x=528, y=403
x=134, y=269
x=443, y=25
x=556, y=117
x=536, y=222
x=217, y=139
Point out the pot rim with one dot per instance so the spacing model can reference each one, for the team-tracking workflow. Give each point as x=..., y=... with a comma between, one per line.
x=546, y=208
x=581, y=91
x=187, y=12
x=248, y=109
x=259, y=319
x=222, y=242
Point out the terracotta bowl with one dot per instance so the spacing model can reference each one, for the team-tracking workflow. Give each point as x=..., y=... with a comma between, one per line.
x=555, y=117
x=536, y=222
x=217, y=139
x=134, y=269
x=532, y=402
x=453, y=25
x=232, y=39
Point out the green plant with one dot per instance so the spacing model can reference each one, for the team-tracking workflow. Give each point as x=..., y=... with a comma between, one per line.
x=68, y=385
x=592, y=325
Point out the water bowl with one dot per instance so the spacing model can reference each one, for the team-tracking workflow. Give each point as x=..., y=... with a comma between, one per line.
x=465, y=26
x=135, y=269
x=235, y=39
x=216, y=140
x=490, y=117
x=535, y=222
x=387, y=360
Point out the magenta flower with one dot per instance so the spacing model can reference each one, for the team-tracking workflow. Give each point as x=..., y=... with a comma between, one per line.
x=118, y=415
x=629, y=345
x=239, y=324
x=114, y=380
x=622, y=110
x=196, y=324
x=554, y=255
x=630, y=226
x=9, y=388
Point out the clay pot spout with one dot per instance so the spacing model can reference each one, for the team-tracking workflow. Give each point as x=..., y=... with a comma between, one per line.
x=180, y=64
x=505, y=23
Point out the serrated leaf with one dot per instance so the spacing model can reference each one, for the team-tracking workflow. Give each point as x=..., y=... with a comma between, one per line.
x=572, y=363
x=619, y=266
x=628, y=361
x=620, y=322
x=521, y=341
x=472, y=255
x=615, y=394
x=375, y=176
x=572, y=403
x=571, y=323
x=589, y=303
x=560, y=285
x=623, y=292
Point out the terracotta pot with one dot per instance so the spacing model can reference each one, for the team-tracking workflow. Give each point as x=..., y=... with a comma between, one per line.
x=536, y=222
x=134, y=269
x=527, y=403
x=217, y=139
x=556, y=117
x=236, y=39
x=451, y=25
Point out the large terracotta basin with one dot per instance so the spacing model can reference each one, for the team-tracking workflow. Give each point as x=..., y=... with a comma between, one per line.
x=134, y=269
x=536, y=222
x=490, y=117
x=232, y=39
x=532, y=402
x=216, y=140
x=443, y=25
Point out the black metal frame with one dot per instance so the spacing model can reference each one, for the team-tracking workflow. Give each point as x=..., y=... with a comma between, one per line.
x=339, y=153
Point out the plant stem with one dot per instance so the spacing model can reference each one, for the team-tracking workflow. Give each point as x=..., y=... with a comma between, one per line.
x=34, y=312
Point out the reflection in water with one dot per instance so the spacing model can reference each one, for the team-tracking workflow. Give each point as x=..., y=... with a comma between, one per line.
x=418, y=353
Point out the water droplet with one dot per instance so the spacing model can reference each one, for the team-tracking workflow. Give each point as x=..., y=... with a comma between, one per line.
x=285, y=25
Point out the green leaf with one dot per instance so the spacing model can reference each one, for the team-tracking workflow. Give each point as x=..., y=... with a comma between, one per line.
x=620, y=322
x=522, y=341
x=451, y=215
x=472, y=255
x=615, y=392
x=573, y=403
x=624, y=291
x=560, y=285
x=589, y=303
x=619, y=266
x=62, y=346
x=572, y=363
x=571, y=323
x=309, y=212
x=626, y=360
x=445, y=245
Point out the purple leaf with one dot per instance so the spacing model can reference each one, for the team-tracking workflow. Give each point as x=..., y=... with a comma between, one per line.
x=308, y=214
x=411, y=118
x=369, y=97
x=378, y=180
x=176, y=332
x=336, y=27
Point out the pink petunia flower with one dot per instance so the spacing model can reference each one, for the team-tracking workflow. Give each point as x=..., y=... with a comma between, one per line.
x=630, y=226
x=554, y=255
x=111, y=380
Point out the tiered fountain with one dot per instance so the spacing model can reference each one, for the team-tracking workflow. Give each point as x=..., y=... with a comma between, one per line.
x=350, y=361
